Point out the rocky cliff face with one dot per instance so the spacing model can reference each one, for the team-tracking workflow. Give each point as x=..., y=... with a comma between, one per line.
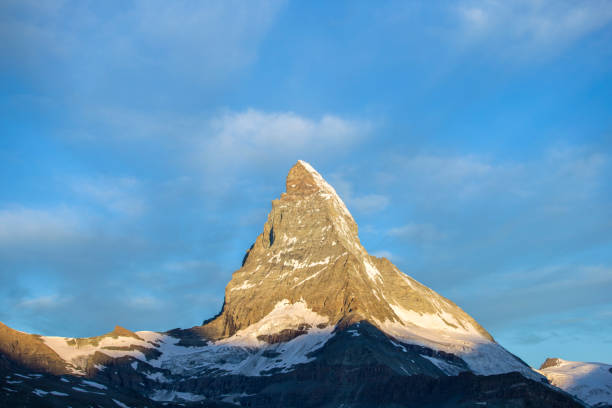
x=309, y=269
x=309, y=320
x=310, y=252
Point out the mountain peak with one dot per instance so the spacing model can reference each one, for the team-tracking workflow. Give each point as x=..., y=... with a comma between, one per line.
x=309, y=262
x=119, y=331
x=551, y=362
x=304, y=179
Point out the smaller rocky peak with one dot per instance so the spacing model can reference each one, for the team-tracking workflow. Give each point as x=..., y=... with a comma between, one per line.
x=119, y=331
x=551, y=362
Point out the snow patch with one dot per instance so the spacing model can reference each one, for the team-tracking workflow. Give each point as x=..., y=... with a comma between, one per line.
x=314, y=275
x=75, y=355
x=447, y=368
x=22, y=376
x=119, y=403
x=79, y=389
x=371, y=270
x=482, y=356
x=245, y=285
x=167, y=395
x=295, y=264
x=399, y=345
x=94, y=384
x=158, y=377
x=285, y=315
x=244, y=353
x=442, y=321
x=234, y=398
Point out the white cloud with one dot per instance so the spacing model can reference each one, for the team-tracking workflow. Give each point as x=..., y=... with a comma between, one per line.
x=43, y=303
x=367, y=203
x=232, y=138
x=257, y=136
x=205, y=41
x=567, y=173
x=478, y=214
x=51, y=225
x=118, y=194
x=530, y=28
x=449, y=169
x=143, y=302
x=422, y=233
x=219, y=35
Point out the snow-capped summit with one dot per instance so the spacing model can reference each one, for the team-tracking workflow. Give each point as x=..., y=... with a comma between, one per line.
x=309, y=254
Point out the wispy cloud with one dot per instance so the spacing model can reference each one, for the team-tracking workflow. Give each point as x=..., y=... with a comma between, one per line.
x=570, y=173
x=257, y=136
x=117, y=194
x=43, y=303
x=19, y=225
x=529, y=29
x=419, y=233
x=204, y=42
x=360, y=203
x=218, y=146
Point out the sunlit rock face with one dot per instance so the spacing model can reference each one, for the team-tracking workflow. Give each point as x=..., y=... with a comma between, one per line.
x=309, y=254
x=310, y=251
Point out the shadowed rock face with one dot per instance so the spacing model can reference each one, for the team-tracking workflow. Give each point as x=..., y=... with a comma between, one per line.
x=310, y=250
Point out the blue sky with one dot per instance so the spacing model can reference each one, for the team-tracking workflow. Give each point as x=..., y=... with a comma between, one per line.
x=142, y=142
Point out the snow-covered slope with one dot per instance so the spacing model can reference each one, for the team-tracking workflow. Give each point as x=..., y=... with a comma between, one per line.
x=591, y=382
x=242, y=353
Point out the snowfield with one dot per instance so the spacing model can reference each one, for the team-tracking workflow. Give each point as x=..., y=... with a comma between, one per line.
x=591, y=382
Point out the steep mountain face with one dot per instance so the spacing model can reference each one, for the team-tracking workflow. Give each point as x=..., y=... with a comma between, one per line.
x=309, y=320
x=308, y=271
x=591, y=382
